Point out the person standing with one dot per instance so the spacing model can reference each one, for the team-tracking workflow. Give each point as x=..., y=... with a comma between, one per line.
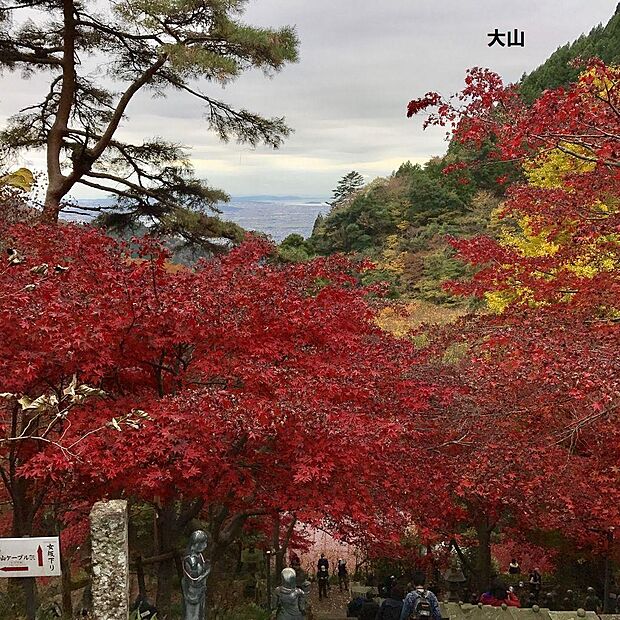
x=513, y=567
x=420, y=603
x=323, y=579
x=386, y=586
x=343, y=575
x=535, y=582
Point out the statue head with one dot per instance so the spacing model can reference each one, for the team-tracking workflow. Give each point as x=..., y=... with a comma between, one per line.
x=198, y=542
x=289, y=578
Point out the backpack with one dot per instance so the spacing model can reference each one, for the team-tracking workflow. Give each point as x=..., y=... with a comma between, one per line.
x=142, y=610
x=422, y=609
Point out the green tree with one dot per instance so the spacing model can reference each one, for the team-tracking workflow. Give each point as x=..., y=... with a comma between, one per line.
x=431, y=202
x=560, y=70
x=155, y=45
x=347, y=187
x=358, y=226
x=439, y=266
x=295, y=249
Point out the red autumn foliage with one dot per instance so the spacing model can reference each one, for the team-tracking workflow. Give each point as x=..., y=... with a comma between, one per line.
x=541, y=380
x=268, y=388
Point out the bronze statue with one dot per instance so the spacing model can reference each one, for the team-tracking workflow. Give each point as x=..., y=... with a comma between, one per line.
x=288, y=599
x=196, y=569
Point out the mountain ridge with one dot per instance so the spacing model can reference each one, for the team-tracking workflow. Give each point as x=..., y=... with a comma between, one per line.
x=602, y=42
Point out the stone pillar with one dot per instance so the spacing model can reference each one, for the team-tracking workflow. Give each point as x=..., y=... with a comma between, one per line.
x=110, y=565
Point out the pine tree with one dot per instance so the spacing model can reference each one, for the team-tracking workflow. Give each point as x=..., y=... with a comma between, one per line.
x=349, y=185
x=154, y=45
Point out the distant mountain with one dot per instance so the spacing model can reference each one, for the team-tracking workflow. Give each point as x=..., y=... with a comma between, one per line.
x=249, y=198
x=277, y=198
x=602, y=42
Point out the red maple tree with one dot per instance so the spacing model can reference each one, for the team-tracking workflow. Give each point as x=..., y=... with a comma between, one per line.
x=243, y=386
x=541, y=376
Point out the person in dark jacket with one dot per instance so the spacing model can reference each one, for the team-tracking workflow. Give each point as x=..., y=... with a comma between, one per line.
x=592, y=602
x=369, y=608
x=323, y=579
x=355, y=606
x=392, y=606
x=343, y=575
x=386, y=586
x=535, y=581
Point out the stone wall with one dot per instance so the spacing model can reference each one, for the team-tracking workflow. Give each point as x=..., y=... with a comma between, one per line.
x=456, y=611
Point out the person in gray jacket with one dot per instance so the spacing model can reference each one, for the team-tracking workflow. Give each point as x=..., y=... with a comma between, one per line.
x=288, y=599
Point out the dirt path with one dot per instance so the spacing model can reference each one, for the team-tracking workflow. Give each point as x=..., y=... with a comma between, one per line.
x=332, y=608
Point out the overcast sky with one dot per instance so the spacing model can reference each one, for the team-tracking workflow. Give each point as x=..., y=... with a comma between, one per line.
x=361, y=61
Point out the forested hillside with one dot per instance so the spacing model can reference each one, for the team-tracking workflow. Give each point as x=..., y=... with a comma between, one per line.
x=403, y=222
x=559, y=70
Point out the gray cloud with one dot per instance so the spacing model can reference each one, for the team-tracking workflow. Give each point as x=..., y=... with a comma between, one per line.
x=361, y=62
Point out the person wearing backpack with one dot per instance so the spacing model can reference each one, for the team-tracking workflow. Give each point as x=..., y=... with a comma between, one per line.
x=420, y=603
x=323, y=579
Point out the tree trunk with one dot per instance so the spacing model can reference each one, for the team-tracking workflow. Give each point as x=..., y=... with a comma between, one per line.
x=483, y=557
x=57, y=188
x=166, y=539
x=67, y=603
x=51, y=209
x=279, y=567
x=275, y=545
x=607, y=579
x=22, y=527
x=280, y=545
x=172, y=518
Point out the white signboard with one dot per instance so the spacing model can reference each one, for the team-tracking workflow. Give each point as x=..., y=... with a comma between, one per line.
x=30, y=557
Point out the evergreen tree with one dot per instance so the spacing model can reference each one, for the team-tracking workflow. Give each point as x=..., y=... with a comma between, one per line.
x=347, y=187
x=318, y=224
x=560, y=70
x=155, y=45
x=295, y=249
